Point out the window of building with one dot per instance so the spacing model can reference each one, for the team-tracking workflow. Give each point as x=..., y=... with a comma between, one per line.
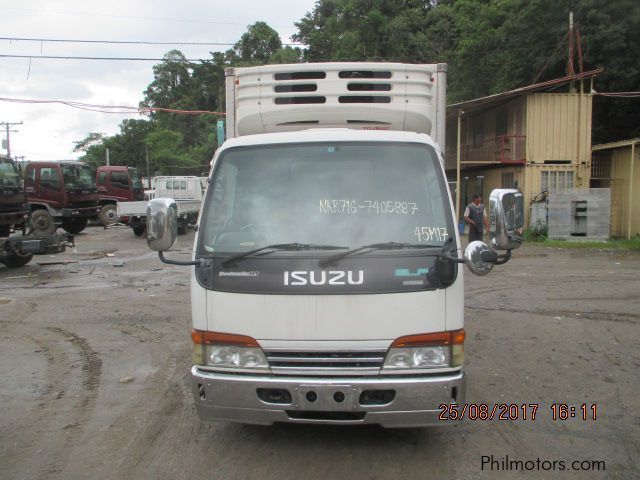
x=478, y=130
x=553, y=180
x=601, y=166
x=508, y=180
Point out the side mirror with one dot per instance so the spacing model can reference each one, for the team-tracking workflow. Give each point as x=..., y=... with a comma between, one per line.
x=480, y=258
x=506, y=213
x=162, y=224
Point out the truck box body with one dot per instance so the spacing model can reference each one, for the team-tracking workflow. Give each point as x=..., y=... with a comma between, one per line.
x=320, y=294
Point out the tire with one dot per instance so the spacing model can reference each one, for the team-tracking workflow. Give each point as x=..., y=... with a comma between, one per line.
x=182, y=228
x=139, y=230
x=5, y=230
x=16, y=259
x=109, y=214
x=42, y=223
x=74, y=225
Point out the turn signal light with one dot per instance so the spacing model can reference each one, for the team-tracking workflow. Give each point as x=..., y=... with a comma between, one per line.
x=451, y=337
x=210, y=338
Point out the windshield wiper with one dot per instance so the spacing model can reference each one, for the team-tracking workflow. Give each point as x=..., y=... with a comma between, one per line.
x=374, y=246
x=295, y=246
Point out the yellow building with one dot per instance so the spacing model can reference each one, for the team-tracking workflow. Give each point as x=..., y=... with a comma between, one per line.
x=617, y=166
x=536, y=138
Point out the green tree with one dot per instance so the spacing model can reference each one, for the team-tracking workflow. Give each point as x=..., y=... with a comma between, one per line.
x=257, y=44
x=490, y=45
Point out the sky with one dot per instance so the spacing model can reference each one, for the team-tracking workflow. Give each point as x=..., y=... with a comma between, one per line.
x=48, y=131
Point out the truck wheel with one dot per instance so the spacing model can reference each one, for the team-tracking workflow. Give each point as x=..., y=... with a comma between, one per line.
x=17, y=259
x=43, y=223
x=5, y=230
x=139, y=230
x=108, y=214
x=74, y=225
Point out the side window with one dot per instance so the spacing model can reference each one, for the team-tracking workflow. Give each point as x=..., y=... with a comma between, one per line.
x=102, y=178
x=120, y=179
x=50, y=178
x=30, y=177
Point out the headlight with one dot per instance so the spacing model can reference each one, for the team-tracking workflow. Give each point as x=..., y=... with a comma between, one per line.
x=430, y=350
x=421, y=357
x=226, y=350
x=235, y=357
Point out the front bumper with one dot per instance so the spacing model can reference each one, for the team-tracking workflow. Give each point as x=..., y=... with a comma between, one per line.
x=415, y=401
x=81, y=212
x=14, y=218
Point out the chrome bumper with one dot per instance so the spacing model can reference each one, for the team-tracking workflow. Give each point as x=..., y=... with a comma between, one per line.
x=415, y=401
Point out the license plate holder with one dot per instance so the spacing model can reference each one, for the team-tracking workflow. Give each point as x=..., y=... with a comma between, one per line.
x=324, y=398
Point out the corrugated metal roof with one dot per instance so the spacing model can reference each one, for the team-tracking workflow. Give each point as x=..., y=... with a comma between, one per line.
x=536, y=87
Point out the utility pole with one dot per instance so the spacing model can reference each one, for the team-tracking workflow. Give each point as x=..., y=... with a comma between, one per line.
x=570, y=70
x=146, y=156
x=7, y=125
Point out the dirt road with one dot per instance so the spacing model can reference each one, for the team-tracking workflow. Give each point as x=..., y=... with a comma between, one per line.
x=94, y=358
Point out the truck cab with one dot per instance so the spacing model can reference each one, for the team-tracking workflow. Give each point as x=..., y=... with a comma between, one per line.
x=61, y=194
x=117, y=184
x=18, y=250
x=326, y=284
x=14, y=211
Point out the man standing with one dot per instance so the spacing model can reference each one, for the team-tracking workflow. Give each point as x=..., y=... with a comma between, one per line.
x=476, y=216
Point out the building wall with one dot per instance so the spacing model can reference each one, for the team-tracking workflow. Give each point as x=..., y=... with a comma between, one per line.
x=558, y=127
x=622, y=185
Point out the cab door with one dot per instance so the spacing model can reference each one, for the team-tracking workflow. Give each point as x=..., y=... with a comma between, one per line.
x=120, y=185
x=49, y=186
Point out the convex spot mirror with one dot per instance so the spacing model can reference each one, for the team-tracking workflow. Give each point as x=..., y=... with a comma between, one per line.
x=506, y=214
x=480, y=258
x=162, y=224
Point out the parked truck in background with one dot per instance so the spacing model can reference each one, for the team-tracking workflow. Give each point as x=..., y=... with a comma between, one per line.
x=18, y=250
x=187, y=191
x=325, y=285
x=60, y=194
x=117, y=184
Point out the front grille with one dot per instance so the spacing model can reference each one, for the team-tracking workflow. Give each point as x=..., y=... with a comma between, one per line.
x=352, y=363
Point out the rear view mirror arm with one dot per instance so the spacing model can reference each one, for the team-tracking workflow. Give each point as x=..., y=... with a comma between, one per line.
x=199, y=262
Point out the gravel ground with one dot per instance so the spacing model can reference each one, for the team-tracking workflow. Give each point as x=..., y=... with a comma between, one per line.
x=94, y=357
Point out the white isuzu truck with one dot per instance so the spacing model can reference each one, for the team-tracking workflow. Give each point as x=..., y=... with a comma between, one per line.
x=326, y=285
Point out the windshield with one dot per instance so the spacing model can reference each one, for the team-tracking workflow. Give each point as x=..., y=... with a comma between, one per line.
x=9, y=176
x=348, y=194
x=78, y=176
x=135, y=178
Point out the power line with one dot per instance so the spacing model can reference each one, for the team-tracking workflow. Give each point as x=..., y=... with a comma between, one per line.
x=134, y=59
x=124, y=42
x=118, y=109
